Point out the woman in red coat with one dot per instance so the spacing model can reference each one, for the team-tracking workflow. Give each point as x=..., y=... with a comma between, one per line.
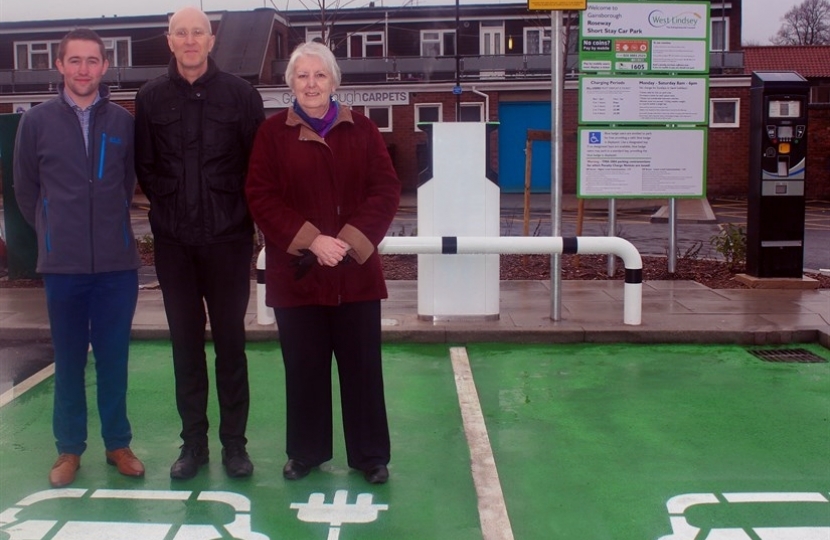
x=322, y=189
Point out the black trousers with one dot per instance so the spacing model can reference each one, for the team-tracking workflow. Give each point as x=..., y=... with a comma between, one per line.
x=309, y=335
x=217, y=276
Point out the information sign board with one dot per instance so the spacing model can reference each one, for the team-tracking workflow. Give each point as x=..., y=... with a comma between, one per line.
x=615, y=163
x=643, y=100
x=637, y=37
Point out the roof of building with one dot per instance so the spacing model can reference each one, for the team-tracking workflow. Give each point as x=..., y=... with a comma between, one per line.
x=810, y=61
x=241, y=42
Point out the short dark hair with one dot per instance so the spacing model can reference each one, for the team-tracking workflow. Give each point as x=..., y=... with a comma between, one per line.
x=84, y=34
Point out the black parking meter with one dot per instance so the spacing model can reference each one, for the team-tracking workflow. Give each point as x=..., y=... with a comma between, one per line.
x=777, y=173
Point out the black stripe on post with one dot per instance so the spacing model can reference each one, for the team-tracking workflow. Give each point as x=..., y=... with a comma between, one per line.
x=449, y=245
x=634, y=275
x=570, y=245
x=260, y=276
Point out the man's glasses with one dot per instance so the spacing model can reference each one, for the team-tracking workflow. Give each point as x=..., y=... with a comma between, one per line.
x=196, y=33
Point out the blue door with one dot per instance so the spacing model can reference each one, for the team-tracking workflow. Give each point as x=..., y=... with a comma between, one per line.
x=514, y=121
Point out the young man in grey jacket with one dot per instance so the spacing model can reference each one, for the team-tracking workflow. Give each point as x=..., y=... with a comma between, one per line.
x=74, y=180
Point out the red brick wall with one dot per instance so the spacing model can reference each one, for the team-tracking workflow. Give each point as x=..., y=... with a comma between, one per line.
x=129, y=105
x=818, y=153
x=727, y=164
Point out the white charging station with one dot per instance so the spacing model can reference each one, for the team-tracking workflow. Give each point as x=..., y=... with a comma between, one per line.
x=458, y=195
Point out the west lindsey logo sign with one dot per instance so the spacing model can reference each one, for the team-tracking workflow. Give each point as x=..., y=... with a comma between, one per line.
x=688, y=20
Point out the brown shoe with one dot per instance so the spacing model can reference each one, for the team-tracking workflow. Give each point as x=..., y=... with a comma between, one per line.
x=125, y=460
x=63, y=471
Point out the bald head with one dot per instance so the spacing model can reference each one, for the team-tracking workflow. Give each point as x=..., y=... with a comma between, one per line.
x=190, y=14
x=190, y=40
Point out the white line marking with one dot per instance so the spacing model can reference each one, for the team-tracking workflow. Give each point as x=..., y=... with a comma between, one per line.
x=774, y=497
x=139, y=494
x=20, y=389
x=492, y=511
x=65, y=493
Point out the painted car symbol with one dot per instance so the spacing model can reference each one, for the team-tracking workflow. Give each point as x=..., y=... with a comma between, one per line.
x=13, y=523
x=683, y=530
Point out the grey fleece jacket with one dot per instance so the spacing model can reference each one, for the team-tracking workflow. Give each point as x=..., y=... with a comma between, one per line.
x=78, y=203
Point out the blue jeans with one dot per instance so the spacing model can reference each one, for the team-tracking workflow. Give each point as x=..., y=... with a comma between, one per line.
x=96, y=309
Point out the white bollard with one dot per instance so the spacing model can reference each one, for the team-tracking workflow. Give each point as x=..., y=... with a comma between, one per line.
x=264, y=314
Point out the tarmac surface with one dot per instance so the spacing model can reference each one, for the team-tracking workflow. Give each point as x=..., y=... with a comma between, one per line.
x=589, y=311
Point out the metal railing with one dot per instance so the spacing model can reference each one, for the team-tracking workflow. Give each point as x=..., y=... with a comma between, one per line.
x=38, y=80
x=516, y=66
x=473, y=245
x=363, y=70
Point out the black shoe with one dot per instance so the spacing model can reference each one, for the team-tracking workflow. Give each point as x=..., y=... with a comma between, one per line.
x=376, y=474
x=294, y=470
x=191, y=458
x=236, y=461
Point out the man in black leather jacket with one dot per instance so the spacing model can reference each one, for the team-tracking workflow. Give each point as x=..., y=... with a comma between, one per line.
x=194, y=130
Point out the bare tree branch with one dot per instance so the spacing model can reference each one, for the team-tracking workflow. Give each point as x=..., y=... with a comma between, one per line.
x=805, y=24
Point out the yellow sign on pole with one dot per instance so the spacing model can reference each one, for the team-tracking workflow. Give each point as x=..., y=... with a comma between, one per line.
x=557, y=5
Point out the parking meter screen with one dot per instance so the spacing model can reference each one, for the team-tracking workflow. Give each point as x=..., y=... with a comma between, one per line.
x=784, y=109
x=785, y=132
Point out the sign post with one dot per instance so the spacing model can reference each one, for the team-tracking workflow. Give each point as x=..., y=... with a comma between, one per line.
x=557, y=92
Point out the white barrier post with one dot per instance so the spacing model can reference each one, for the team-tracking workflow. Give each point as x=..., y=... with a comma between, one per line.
x=633, y=292
x=264, y=314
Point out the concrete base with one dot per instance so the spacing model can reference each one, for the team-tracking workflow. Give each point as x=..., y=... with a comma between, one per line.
x=754, y=282
x=688, y=211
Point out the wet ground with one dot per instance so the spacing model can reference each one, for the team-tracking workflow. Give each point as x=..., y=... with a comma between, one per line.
x=21, y=359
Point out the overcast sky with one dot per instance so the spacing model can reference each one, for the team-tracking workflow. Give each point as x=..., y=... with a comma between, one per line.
x=761, y=18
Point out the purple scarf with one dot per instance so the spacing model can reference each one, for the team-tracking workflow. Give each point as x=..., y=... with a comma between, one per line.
x=321, y=125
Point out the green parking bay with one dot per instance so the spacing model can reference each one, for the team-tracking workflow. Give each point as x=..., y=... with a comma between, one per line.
x=586, y=441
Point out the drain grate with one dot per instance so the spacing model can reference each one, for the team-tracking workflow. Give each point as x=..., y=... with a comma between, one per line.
x=788, y=356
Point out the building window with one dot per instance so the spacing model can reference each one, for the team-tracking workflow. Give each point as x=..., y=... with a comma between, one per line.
x=437, y=43
x=427, y=113
x=720, y=35
x=724, y=112
x=472, y=112
x=537, y=41
x=492, y=38
x=820, y=94
x=381, y=116
x=118, y=51
x=317, y=35
x=36, y=55
x=42, y=54
x=366, y=45
x=573, y=40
